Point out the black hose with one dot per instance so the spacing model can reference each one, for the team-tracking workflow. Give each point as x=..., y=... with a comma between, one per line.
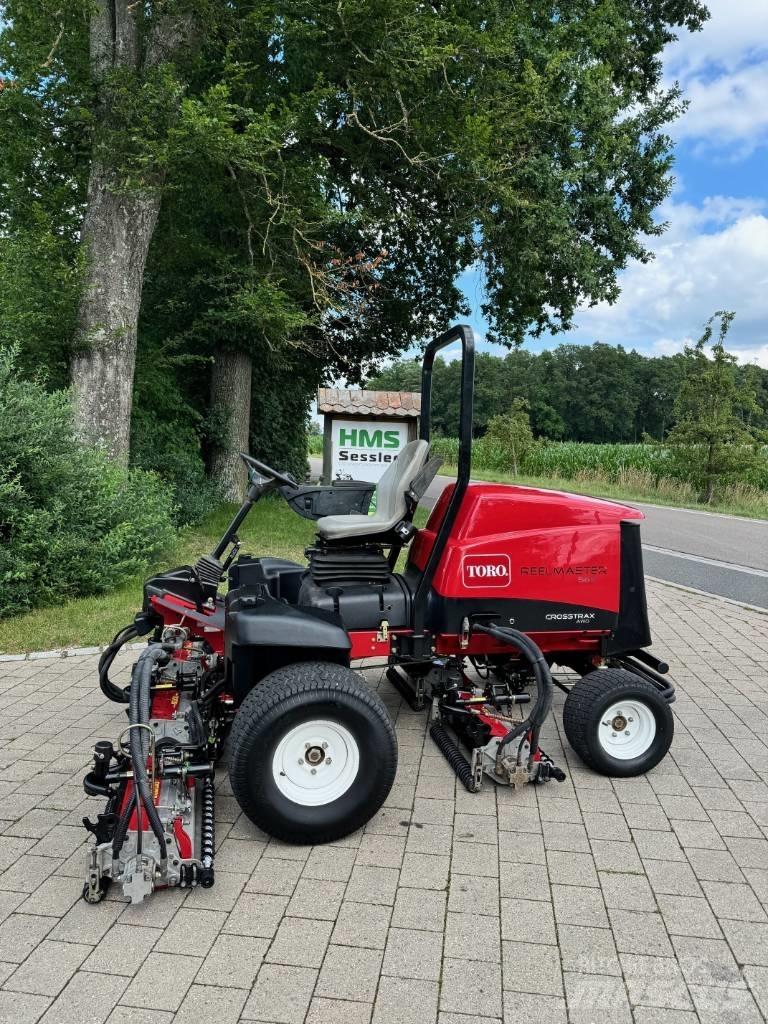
x=544, y=685
x=122, y=826
x=453, y=756
x=108, y=688
x=140, y=702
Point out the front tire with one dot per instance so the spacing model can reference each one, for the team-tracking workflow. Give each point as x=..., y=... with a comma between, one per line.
x=618, y=723
x=313, y=753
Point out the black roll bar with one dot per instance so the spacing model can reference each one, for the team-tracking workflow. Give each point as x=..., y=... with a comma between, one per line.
x=464, y=334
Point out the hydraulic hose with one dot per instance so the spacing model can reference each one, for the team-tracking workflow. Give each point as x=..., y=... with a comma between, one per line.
x=108, y=688
x=544, y=685
x=138, y=713
x=122, y=826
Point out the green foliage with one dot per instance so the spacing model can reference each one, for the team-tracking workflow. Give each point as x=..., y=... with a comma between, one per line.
x=279, y=414
x=710, y=438
x=166, y=429
x=594, y=393
x=512, y=433
x=71, y=521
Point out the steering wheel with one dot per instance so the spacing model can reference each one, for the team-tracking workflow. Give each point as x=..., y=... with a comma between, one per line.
x=266, y=471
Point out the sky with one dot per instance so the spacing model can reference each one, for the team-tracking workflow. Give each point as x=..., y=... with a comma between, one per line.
x=714, y=254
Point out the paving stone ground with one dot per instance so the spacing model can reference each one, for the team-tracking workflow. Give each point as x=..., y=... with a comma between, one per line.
x=640, y=900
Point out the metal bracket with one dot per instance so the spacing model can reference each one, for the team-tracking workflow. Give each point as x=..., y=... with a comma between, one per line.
x=139, y=877
x=93, y=891
x=476, y=765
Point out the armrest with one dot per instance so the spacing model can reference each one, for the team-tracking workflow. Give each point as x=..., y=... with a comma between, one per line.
x=343, y=498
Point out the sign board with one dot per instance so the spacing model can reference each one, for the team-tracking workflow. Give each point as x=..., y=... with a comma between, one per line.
x=364, y=449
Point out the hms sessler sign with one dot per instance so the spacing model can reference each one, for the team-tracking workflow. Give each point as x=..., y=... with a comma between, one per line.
x=363, y=450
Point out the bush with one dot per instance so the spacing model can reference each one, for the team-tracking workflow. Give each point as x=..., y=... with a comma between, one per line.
x=165, y=430
x=175, y=457
x=71, y=521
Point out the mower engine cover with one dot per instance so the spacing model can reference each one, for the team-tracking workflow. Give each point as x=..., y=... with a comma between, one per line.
x=541, y=560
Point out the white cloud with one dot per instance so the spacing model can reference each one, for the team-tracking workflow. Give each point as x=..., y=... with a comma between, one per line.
x=713, y=257
x=724, y=74
x=728, y=110
x=737, y=31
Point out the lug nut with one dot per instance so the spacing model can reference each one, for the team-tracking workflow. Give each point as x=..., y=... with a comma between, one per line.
x=327, y=760
x=314, y=771
x=626, y=732
x=325, y=746
x=630, y=719
x=301, y=760
x=613, y=734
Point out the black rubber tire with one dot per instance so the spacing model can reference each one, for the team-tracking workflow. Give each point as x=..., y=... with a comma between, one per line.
x=583, y=711
x=283, y=700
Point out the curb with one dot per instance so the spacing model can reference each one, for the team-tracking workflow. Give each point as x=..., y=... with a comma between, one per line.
x=78, y=652
x=64, y=652
x=708, y=593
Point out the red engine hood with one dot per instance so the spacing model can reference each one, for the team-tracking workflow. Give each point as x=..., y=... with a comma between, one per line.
x=511, y=541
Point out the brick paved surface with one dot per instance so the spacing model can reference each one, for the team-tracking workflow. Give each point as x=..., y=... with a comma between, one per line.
x=595, y=900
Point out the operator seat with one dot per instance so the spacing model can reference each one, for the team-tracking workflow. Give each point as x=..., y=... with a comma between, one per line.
x=392, y=495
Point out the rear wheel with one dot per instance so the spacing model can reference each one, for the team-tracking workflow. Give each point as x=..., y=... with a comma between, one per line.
x=313, y=753
x=618, y=723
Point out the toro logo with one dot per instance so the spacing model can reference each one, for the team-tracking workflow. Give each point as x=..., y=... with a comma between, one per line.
x=487, y=570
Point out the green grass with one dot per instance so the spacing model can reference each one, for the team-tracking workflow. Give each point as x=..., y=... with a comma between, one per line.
x=271, y=528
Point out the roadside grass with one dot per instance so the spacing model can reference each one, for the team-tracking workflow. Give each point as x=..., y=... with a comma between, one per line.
x=634, y=485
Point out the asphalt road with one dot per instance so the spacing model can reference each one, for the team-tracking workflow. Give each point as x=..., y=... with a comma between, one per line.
x=718, y=554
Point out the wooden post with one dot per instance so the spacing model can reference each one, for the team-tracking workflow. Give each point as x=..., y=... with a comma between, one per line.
x=327, y=447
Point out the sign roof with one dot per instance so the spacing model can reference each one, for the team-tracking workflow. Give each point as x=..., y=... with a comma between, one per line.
x=400, y=404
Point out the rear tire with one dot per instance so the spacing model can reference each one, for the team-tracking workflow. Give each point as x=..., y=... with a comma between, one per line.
x=618, y=723
x=313, y=753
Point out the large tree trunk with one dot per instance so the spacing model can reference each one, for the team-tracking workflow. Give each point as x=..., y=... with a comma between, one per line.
x=117, y=231
x=119, y=222
x=231, y=407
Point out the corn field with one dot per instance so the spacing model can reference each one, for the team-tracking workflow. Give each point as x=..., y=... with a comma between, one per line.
x=569, y=460
x=574, y=460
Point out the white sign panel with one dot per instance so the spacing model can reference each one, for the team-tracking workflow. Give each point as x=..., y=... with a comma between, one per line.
x=364, y=449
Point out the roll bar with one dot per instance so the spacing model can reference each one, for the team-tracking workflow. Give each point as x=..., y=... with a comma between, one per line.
x=464, y=334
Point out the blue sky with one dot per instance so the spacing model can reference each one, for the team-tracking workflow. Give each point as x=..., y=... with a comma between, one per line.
x=714, y=254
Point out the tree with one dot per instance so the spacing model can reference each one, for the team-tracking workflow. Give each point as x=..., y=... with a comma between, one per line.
x=512, y=432
x=366, y=161
x=709, y=435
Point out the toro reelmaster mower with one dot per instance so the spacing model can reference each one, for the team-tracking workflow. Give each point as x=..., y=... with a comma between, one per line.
x=503, y=583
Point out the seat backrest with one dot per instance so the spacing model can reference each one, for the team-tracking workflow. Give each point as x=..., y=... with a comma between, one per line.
x=391, y=502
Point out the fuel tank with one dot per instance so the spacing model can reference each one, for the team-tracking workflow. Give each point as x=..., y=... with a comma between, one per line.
x=543, y=560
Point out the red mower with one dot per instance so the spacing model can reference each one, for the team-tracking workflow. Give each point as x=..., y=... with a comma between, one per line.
x=503, y=583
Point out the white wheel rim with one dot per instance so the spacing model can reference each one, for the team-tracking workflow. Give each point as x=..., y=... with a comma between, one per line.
x=626, y=729
x=315, y=763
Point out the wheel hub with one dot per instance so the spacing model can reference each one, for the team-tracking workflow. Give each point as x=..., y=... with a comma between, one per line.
x=316, y=762
x=627, y=730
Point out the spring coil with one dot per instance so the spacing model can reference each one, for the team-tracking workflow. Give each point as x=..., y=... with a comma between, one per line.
x=453, y=756
x=208, y=835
